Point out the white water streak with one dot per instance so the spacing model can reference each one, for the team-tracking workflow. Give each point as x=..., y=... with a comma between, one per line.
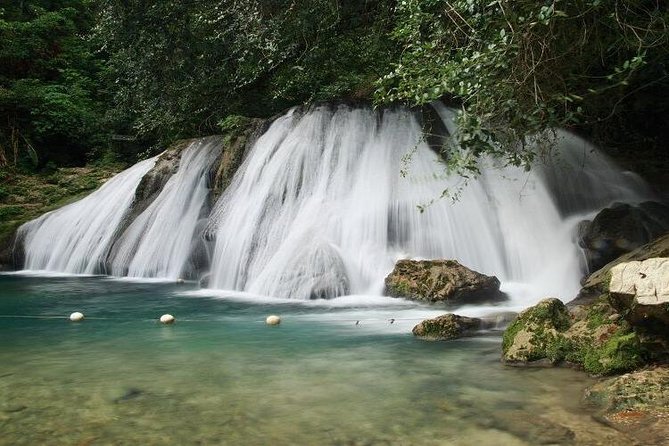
x=77, y=238
x=320, y=208
x=159, y=241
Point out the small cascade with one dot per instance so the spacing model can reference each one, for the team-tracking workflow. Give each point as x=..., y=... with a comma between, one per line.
x=76, y=238
x=328, y=200
x=160, y=240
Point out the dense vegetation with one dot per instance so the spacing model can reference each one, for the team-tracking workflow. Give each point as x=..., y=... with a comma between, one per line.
x=84, y=80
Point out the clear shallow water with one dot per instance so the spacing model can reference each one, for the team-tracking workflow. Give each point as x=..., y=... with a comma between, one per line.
x=220, y=376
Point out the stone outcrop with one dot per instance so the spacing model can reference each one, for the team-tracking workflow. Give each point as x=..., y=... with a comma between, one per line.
x=447, y=326
x=624, y=328
x=441, y=281
x=620, y=229
x=635, y=403
x=640, y=291
x=598, y=282
x=594, y=338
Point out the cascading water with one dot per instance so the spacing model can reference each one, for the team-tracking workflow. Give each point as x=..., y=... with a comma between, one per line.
x=327, y=201
x=77, y=238
x=159, y=241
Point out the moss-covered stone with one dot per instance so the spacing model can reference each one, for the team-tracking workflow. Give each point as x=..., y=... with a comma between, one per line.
x=441, y=281
x=447, y=326
x=535, y=331
x=594, y=338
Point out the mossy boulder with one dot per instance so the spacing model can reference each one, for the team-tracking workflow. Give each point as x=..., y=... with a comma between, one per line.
x=636, y=403
x=441, y=281
x=447, y=326
x=594, y=338
x=533, y=333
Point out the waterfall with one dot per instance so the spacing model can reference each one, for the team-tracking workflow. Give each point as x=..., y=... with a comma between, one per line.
x=328, y=200
x=77, y=238
x=324, y=204
x=160, y=240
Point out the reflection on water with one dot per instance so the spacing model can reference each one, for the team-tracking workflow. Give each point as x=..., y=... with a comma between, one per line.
x=220, y=376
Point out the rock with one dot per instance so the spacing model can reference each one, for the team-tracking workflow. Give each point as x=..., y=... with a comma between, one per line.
x=635, y=403
x=583, y=336
x=441, y=281
x=530, y=336
x=448, y=326
x=598, y=282
x=640, y=291
x=620, y=229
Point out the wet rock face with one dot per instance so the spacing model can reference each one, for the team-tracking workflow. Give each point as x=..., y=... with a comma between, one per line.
x=635, y=403
x=448, y=326
x=620, y=229
x=441, y=281
x=640, y=291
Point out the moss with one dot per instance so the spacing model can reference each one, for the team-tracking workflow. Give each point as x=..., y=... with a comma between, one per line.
x=598, y=313
x=510, y=334
x=621, y=353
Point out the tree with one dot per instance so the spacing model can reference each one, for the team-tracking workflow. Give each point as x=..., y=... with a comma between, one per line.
x=179, y=68
x=519, y=67
x=49, y=106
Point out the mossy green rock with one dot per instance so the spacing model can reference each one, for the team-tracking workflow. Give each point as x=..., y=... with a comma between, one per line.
x=534, y=331
x=593, y=337
x=441, y=281
x=448, y=326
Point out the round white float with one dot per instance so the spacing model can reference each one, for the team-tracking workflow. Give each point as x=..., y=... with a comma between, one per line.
x=273, y=320
x=180, y=281
x=167, y=319
x=77, y=317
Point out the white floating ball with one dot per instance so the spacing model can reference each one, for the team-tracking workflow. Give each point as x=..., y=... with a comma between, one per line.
x=180, y=281
x=77, y=317
x=273, y=320
x=167, y=319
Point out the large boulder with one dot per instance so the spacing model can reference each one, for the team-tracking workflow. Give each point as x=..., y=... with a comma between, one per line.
x=635, y=403
x=598, y=282
x=534, y=331
x=593, y=337
x=620, y=229
x=639, y=290
x=447, y=326
x=441, y=281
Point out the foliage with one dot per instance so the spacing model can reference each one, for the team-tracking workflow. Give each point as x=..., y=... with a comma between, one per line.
x=519, y=67
x=178, y=68
x=49, y=108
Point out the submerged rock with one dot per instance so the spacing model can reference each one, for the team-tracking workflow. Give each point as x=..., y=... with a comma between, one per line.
x=635, y=403
x=620, y=229
x=441, y=281
x=448, y=326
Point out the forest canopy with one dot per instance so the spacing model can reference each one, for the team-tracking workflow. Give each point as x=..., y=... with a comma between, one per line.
x=82, y=80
